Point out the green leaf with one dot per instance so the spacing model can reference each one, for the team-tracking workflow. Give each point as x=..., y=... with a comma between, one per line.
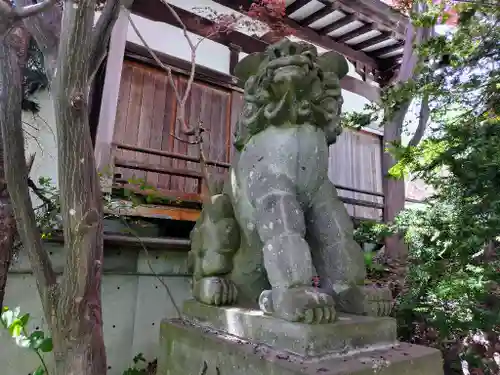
x=16, y=328
x=36, y=339
x=46, y=346
x=39, y=371
x=25, y=319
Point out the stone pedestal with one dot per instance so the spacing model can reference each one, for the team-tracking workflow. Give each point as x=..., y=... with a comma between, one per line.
x=232, y=341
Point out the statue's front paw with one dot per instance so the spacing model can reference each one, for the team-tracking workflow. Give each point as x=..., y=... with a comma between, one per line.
x=378, y=300
x=215, y=291
x=301, y=304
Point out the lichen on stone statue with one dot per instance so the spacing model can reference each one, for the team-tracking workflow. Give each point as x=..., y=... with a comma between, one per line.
x=278, y=221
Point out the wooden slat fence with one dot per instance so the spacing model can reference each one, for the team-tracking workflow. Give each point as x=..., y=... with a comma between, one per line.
x=149, y=143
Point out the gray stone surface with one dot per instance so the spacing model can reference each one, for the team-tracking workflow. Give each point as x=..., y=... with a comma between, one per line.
x=279, y=222
x=193, y=350
x=349, y=332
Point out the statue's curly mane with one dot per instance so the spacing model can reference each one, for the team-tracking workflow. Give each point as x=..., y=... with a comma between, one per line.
x=287, y=85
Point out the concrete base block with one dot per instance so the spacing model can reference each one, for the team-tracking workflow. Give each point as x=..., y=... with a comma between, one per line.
x=191, y=349
x=348, y=333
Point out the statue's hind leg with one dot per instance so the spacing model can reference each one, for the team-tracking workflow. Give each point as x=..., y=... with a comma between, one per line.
x=338, y=258
x=279, y=221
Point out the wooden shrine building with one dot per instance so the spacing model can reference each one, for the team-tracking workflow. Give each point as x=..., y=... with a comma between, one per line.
x=137, y=133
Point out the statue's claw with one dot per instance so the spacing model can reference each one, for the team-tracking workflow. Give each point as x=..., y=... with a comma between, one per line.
x=301, y=304
x=378, y=300
x=363, y=300
x=215, y=291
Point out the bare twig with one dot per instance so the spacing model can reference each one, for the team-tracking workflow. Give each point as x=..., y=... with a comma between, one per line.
x=31, y=10
x=422, y=122
x=156, y=59
x=150, y=266
x=197, y=132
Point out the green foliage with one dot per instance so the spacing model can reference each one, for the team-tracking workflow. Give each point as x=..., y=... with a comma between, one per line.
x=34, y=76
x=141, y=366
x=372, y=232
x=36, y=341
x=452, y=291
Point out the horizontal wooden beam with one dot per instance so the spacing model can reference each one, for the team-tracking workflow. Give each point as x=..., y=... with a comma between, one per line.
x=361, y=88
x=168, y=154
x=156, y=11
x=377, y=12
x=310, y=35
x=141, y=54
x=136, y=165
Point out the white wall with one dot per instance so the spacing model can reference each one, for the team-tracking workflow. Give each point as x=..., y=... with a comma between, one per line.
x=134, y=304
x=41, y=139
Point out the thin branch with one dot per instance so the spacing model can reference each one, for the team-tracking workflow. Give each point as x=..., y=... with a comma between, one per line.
x=150, y=266
x=34, y=9
x=29, y=162
x=16, y=174
x=197, y=132
x=156, y=58
x=422, y=122
x=45, y=27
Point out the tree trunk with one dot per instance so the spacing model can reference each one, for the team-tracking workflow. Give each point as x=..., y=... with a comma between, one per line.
x=7, y=233
x=10, y=94
x=78, y=338
x=394, y=189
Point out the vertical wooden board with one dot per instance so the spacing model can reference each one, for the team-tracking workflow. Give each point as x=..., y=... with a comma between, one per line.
x=168, y=130
x=145, y=120
x=340, y=165
x=133, y=116
x=122, y=108
x=118, y=310
x=179, y=140
x=236, y=108
x=196, y=104
x=365, y=146
x=156, y=135
x=217, y=145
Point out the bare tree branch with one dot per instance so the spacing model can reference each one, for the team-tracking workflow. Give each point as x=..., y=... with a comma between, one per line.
x=102, y=32
x=45, y=27
x=34, y=9
x=186, y=128
x=422, y=122
x=16, y=175
x=156, y=59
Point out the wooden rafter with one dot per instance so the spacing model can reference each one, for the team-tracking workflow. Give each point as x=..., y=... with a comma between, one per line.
x=344, y=21
x=323, y=12
x=355, y=33
x=311, y=35
x=296, y=5
x=389, y=49
x=372, y=41
x=377, y=12
x=154, y=10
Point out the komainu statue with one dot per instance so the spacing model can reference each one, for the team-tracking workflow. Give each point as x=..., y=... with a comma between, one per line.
x=278, y=222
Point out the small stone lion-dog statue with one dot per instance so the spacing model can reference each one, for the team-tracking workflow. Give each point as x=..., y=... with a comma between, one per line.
x=278, y=222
